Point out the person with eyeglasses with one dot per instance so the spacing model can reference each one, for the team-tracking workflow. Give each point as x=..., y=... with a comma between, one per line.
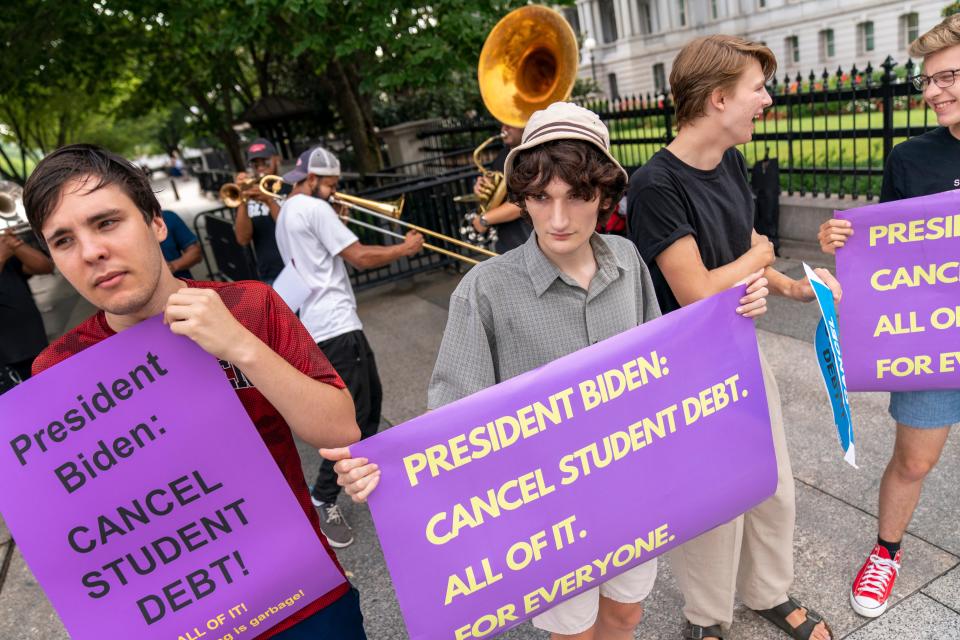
x=923, y=165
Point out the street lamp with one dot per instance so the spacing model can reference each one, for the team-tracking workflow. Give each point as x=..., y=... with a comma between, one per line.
x=589, y=44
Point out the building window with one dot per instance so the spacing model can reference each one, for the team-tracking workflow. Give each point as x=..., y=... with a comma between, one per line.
x=682, y=12
x=659, y=78
x=909, y=29
x=570, y=13
x=612, y=80
x=646, y=16
x=792, y=45
x=714, y=9
x=864, y=37
x=608, y=21
x=827, y=48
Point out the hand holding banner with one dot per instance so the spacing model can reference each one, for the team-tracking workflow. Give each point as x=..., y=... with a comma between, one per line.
x=497, y=507
x=146, y=503
x=901, y=276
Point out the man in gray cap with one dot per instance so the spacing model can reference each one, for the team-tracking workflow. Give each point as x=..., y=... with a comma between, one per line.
x=257, y=214
x=311, y=236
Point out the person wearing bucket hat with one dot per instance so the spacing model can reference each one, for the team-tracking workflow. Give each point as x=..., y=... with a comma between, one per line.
x=319, y=245
x=257, y=214
x=691, y=212
x=565, y=180
x=512, y=228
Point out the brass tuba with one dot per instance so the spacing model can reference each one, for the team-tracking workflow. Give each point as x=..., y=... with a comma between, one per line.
x=529, y=61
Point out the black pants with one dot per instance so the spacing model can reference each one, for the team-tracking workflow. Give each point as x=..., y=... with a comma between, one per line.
x=341, y=619
x=351, y=356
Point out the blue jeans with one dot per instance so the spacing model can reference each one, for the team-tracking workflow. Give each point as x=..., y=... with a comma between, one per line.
x=926, y=409
x=341, y=620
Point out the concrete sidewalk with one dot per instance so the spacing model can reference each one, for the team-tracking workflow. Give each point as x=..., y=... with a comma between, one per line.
x=836, y=504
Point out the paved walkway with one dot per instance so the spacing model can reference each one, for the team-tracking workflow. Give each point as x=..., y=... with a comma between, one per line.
x=836, y=504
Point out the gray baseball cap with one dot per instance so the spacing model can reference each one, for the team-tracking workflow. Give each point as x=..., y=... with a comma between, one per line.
x=315, y=160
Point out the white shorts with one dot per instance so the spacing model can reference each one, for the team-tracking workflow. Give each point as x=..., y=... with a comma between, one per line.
x=579, y=613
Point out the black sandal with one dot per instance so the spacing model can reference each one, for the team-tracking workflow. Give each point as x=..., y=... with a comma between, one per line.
x=778, y=616
x=696, y=632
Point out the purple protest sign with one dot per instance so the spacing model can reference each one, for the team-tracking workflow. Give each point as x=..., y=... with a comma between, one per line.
x=494, y=508
x=144, y=500
x=900, y=318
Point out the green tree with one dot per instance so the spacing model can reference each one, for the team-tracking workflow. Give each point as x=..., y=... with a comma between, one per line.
x=376, y=53
x=99, y=67
x=62, y=70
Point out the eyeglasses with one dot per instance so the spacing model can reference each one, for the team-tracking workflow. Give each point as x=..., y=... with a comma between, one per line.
x=942, y=79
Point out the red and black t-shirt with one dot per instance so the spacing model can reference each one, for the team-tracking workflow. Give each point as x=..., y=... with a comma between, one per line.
x=262, y=312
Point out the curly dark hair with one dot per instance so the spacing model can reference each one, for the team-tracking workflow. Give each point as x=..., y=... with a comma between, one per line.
x=585, y=168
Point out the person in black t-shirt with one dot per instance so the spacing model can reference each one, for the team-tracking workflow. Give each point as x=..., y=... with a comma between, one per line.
x=690, y=213
x=920, y=166
x=22, y=336
x=257, y=214
x=512, y=229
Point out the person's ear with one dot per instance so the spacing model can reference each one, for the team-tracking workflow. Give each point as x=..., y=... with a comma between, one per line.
x=159, y=228
x=718, y=99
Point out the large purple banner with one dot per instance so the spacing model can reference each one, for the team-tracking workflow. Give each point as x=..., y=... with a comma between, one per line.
x=900, y=319
x=497, y=507
x=146, y=503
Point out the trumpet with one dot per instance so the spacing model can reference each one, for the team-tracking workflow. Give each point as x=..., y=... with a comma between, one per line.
x=232, y=192
x=388, y=211
x=271, y=186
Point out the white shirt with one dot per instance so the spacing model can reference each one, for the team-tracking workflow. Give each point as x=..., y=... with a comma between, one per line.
x=310, y=234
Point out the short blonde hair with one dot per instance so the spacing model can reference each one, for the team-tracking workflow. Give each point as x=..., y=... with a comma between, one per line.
x=944, y=35
x=709, y=63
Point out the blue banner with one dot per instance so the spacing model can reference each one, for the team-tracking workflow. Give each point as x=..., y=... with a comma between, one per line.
x=827, y=343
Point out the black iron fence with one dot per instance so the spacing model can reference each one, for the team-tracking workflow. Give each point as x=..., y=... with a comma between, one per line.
x=830, y=131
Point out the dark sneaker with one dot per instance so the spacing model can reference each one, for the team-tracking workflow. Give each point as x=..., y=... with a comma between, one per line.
x=872, y=586
x=333, y=525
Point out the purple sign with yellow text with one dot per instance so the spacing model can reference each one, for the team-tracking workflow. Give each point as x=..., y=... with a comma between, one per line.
x=497, y=507
x=900, y=317
x=144, y=500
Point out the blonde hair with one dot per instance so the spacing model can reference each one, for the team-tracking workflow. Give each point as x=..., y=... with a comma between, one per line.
x=709, y=63
x=944, y=35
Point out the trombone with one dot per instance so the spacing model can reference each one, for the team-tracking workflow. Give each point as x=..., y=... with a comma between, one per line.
x=388, y=211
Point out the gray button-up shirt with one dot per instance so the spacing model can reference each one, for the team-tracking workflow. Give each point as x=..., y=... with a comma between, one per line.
x=518, y=311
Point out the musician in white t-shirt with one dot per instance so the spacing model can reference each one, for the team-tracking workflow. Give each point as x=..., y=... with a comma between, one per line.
x=312, y=237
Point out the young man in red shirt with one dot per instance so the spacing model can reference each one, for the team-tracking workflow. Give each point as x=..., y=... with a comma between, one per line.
x=103, y=225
